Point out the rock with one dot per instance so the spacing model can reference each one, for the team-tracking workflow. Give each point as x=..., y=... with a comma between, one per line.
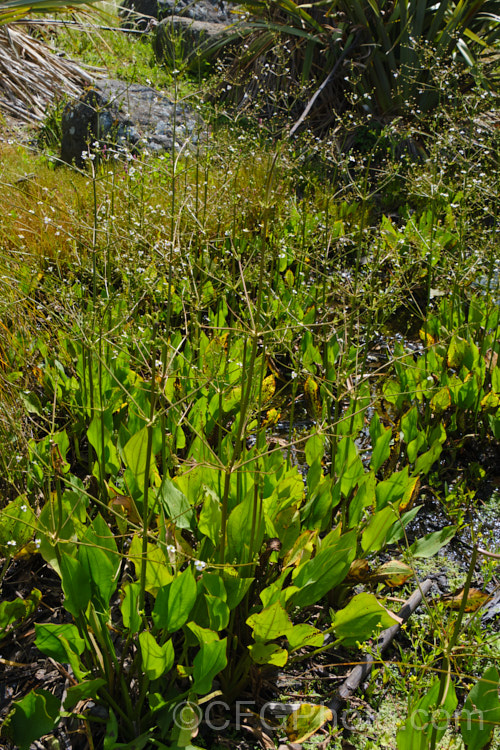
x=124, y=114
x=139, y=12
x=199, y=39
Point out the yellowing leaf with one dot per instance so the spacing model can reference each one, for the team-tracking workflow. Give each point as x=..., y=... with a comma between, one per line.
x=305, y=721
x=475, y=599
x=302, y=549
x=268, y=388
x=271, y=623
x=272, y=417
x=426, y=338
x=441, y=400
x=462, y=353
x=392, y=573
x=490, y=401
x=410, y=495
x=127, y=503
x=27, y=551
x=359, y=571
x=214, y=354
x=268, y=653
x=311, y=390
x=491, y=359
x=231, y=398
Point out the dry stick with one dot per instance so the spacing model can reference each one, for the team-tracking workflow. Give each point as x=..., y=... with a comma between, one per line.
x=325, y=83
x=488, y=554
x=78, y=25
x=359, y=673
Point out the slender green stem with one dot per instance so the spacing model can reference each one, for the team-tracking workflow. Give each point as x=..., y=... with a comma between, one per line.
x=102, y=485
x=295, y=386
x=94, y=233
x=254, y=336
x=126, y=717
x=445, y=680
x=144, y=682
x=5, y=567
x=145, y=501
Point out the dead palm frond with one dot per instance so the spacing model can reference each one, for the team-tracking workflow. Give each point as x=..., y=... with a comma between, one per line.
x=32, y=75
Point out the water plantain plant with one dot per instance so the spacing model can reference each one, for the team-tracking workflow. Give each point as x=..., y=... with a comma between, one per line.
x=202, y=535
x=192, y=553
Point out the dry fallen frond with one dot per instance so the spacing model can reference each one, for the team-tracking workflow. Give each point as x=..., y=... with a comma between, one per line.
x=32, y=75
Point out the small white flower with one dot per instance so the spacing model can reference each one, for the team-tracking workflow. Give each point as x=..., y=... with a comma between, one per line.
x=170, y=549
x=200, y=565
x=11, y=543
x=24, y=508
x=38, y=543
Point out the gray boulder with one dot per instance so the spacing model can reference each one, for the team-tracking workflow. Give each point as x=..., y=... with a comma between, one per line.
x=119, y=114
x=139, y=12
x=199, y=39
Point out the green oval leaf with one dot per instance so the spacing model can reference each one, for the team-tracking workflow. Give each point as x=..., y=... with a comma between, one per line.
x=481, y=712
x=208, y=662
x=156, y=659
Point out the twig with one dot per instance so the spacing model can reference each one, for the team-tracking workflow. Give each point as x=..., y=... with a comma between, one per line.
x=359, y=673
x=62, y=671
x=325, y=83
x=488, y=554
x=75, y=24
